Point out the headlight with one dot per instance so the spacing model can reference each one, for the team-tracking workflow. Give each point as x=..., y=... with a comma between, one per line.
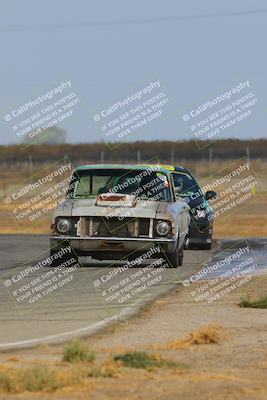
x=163, y=228
x=63, y=226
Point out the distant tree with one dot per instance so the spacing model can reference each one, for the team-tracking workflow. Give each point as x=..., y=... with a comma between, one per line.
x=55, y=147
x=53, y=135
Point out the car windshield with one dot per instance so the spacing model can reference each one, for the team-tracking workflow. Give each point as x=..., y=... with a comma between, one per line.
x=185, y=184
x=144, y=184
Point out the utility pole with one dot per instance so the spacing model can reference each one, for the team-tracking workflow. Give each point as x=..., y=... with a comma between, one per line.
x=210, y=159
x=102, y=157
x=30, y=166
x=248, y=154
x=172, y=157
x=138, y=157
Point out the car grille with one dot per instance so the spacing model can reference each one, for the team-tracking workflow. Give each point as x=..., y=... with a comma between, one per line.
x=108, y=227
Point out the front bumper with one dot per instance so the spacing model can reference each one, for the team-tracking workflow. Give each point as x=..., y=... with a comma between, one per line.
x=98, y=244
x=200, y=232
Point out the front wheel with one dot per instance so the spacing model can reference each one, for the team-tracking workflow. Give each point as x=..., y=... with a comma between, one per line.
x=61, y=256
x=175, y=259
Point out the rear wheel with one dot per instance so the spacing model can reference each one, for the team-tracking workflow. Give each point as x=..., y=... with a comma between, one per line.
x=204, y=246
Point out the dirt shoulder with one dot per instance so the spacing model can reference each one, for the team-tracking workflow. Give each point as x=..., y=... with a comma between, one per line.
x=233, y=368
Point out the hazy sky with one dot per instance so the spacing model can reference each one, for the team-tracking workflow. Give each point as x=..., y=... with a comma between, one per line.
x=111, y=49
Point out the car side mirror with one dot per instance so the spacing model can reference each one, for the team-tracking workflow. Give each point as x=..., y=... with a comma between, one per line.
x=210, y=194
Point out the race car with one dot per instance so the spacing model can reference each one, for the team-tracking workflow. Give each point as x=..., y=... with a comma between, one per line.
x=201, y=212
x=115, y=211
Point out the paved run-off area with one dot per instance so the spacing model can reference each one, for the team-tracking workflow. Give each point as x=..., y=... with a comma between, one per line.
x=83, y=305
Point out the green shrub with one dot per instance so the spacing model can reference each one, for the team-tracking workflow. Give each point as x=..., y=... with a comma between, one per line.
x=6, y=383
x=144, y=360
x=78, y=351
x=259, y=303
x=38, y=378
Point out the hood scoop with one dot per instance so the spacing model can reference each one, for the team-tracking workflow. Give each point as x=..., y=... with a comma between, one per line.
x=115, y=200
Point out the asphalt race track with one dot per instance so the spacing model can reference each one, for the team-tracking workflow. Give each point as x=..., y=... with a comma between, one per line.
x=86, y=299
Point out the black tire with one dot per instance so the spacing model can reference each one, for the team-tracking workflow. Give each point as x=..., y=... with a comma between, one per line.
x=204, y=246
x=58, y=261
x=175, y=259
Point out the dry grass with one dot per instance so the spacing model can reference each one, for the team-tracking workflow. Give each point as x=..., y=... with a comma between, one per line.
x=208, y=334
x=108, y=369
x=36, y=378
x=61, y=376
x=43, y=378
x=252, y=217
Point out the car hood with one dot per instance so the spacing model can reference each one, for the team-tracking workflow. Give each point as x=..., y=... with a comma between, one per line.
x=88, y=207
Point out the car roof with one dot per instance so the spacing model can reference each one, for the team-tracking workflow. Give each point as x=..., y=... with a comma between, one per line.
x=172, y=168
x=142, y=167
x=179, y=168
x=164, y=166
